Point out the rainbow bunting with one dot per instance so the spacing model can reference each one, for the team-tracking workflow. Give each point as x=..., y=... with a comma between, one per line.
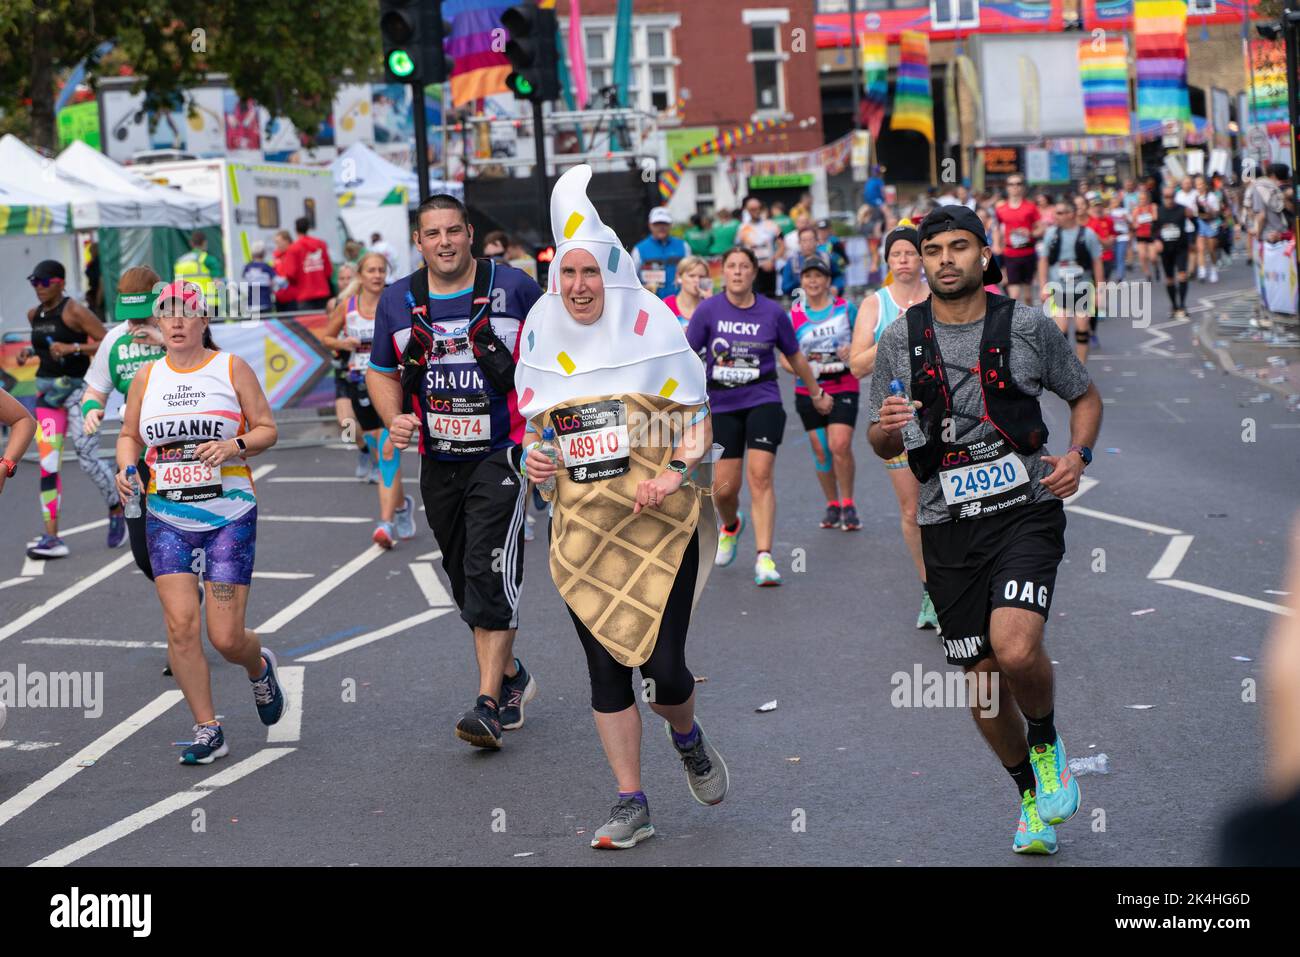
x=913, y=104
x=875, y=82
x=478, y=70
x=670, y=179
x=1160, y=42
x=1268, y=89
x=1105, y=88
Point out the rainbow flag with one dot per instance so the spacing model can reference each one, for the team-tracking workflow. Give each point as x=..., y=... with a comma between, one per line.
x=1268, y=107
x=875, y=82
x=1160, y=42
x=913, y=104
x=478, y=70
x=1105, y=88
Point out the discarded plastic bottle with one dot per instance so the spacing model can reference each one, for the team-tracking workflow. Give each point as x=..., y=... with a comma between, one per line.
x=552, y=452
x=913, y=437
x=1092, y=764
x=132, y=505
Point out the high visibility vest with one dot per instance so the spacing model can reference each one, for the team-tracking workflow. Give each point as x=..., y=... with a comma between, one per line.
x=193, y=267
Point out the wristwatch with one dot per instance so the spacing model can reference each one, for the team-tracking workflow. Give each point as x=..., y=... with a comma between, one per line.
x=243, y=449
x=677, y=465
x=9, y=467
x=1085, y=453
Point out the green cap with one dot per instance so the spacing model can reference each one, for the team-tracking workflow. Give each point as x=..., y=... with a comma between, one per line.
x=135, y=305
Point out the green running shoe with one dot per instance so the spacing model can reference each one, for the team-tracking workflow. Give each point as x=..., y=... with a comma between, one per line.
x=927, y=617
x=1032, y=835
x=1058, y=791
x=727, y=543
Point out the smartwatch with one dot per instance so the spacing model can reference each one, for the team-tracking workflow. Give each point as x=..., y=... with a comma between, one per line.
x=243, y=449
x=10, y=467
x=1085, y=453
x=677, y=465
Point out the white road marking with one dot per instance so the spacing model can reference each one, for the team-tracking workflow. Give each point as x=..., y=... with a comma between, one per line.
x=65, y=596
x=1285, y=425
x=318, y=591
x=33, y=566
x=432, y=556
x=283, y=576
x=12, y=582
x=88, y=527
x=332, y=479
x=1173, y=554
x=95, y=642
x=1171, y=413
x=1085, y=484
x=359, y=640
x=316, y=519
x=263, y=470
x=28, y=745
x=1227, y=596
x=289, y=728
x=91, y=752
x=1121, y=520
x=156, y=812
x=428, y=581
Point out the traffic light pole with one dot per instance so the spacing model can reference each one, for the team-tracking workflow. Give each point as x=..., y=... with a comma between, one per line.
x=421, y=139
x=539, y=172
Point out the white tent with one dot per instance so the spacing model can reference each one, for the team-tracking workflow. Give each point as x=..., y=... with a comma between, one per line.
x=166, y=207
x=92, y=206
x=364, y=178
x=32, y=228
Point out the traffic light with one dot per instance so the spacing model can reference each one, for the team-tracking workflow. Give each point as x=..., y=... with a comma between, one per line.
x=532, y=52
x=412, y=33
x=545, y=256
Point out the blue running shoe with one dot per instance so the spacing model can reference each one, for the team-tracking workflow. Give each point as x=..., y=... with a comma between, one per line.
x=209, y=744
x=116, y=529
x=1058, y=791
x=1032, y=835
x=49, y=546
x=267, y=694
x=404, y=519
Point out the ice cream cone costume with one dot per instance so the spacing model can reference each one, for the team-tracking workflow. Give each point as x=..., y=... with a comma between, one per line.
x=618, y=393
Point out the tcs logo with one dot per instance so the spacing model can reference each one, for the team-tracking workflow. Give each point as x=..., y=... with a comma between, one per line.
x=567, y=423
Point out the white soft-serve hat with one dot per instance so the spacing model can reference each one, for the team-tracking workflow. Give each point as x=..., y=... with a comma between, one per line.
x=636, y=346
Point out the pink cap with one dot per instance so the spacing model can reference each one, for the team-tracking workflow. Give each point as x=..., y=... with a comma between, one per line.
x=190, y=295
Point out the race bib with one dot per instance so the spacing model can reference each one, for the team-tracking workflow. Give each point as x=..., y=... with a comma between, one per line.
x=460, y=424
x=180, y=477
x=982, y=478
x=1020, y=238
x=358, y=360
x=593, y=439
x=653, y=278
x=1069, y=271
x=1144, y=217
x=825, y=364
x=1170, y=232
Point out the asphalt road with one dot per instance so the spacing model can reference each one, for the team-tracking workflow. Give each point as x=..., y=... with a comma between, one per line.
x=1190, y=522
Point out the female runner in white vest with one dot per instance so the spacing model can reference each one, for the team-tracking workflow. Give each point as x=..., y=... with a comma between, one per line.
x=199, y=412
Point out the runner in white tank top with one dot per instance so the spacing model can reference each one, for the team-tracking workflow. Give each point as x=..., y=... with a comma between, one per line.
x=199, y=411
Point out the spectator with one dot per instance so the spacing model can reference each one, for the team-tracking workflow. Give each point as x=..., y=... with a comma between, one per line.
x=286, y=293
x=655, y=257
x=261, y=277
x=495, y=245
x=758, y=234
x=873, y=191
x=199, y=266
x=725, y=226
x=306, y=264
x=377, y=245
x=1269, y=210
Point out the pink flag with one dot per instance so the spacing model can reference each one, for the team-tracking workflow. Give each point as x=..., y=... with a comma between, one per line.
x=577, y=59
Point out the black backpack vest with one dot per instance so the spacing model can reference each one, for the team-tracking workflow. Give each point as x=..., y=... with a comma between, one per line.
x=1082, y=255
x=1014, y=414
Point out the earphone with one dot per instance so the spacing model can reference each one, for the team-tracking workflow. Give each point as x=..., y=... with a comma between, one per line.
x=984, y=263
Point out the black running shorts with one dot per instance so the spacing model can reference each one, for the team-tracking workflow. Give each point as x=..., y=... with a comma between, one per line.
x=843, y=412
x=367, y=418
x=759, y=427
x=1019, y=270
x=1007, y=560
x=476, y=511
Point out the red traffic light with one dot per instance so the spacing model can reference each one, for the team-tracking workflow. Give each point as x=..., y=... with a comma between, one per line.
x=546, y=254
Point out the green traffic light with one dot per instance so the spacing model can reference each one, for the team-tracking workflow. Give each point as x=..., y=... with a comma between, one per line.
x=400, y=63
x=520, y=85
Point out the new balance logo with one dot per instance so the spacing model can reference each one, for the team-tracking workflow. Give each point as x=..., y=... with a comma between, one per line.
x=970, y=510
x=507, y=481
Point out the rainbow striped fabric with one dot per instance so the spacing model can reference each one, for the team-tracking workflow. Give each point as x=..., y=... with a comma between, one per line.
x=913, y=104
x=670, y=179
x=1267, y=94
x=875, y=81
x=1160, y=42
x=478, y=70
x=1104, y=74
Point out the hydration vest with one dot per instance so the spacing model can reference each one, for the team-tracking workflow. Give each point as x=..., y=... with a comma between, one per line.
x=1082, y=255
x=1014, y=414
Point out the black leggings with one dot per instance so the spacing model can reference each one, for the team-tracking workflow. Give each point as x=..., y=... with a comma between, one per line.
x=611, y=682
x=135, y=530
x=1173, y=260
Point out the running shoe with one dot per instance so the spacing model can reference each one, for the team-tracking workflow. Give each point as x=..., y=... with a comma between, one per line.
x=372, y=476
x=628, y=825
x=1032, y=835
x=706, y=772
x=267, y=693
x=404, y=520
x=116, y=529
x=363, y=465
x=481, y=725
x=1200, y=272
x=765, y=573
x=1057, y=790
x=515, y=693
x=1214, y=274
x=850, y=521
x=209, y=744
x=385, y=536
x=832, y=517
x=50, y=546
x=927, y=617
x=727, y=543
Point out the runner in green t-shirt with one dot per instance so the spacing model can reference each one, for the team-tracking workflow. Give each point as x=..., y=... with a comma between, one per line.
x=724, y=232
x=699, y=235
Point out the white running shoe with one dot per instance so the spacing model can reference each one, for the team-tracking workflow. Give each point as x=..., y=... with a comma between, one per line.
x=765, y=573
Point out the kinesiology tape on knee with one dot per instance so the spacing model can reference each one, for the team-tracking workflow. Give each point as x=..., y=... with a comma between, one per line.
x=387, y=466
x=822, y=464
x=1082, y=337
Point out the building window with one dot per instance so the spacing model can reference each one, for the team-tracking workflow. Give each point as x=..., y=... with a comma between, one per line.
x=704, y=193
x=954, y=14
x=768, y=60
x=652, y=81
x=1200, y=8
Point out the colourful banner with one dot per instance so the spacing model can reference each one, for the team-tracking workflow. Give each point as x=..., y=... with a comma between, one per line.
x=875, y=82
x=1104, y=74
x=833, y=158
x=1267, y=93
x=1160, y=42
x=913, y=103
x=670, y=179
x=478, y=69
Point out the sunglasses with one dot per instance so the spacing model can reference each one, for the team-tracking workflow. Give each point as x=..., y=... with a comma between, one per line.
x=43, y=283
x=1015, y=182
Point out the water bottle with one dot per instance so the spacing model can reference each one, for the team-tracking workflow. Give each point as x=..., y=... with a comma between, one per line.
x=552, y=452
x=1092, y=764
x=132, y=505
x=913, y=437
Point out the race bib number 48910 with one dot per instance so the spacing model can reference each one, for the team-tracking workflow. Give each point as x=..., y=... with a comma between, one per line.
x=593, y=439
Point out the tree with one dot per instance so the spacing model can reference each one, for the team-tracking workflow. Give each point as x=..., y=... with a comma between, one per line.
x=289, y=57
